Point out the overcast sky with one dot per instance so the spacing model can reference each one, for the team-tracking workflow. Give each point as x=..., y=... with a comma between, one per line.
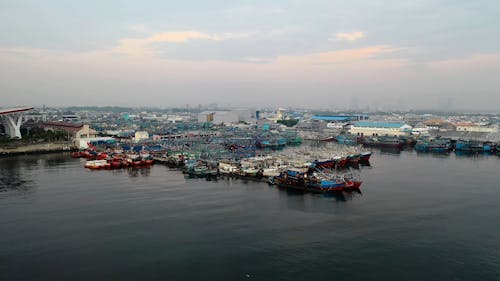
x=409, y=54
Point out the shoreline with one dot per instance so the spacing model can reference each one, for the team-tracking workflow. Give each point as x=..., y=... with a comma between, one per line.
x=40, y=148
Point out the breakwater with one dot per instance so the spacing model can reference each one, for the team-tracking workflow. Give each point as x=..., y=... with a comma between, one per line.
x=15, y=149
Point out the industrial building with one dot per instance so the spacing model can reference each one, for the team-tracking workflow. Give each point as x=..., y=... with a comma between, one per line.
x=365, y=128
x=473, y=127
x=340, y=118
x=227, y=117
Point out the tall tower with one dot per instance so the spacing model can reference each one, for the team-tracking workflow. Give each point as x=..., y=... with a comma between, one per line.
x=280, y=113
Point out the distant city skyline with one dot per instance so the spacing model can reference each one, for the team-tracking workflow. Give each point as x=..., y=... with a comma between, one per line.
x=436, y=55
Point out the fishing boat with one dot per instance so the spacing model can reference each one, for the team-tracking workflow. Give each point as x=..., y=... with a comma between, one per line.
x=462, y=145
x=228, y=167
x=97, y=164
x=382, y=141
x=327, y=139
x=436, y=145
x=488, y=146
x=200, y=169
x=365, y=156
x=347, y=139
x=307, y=180
x=116, y=163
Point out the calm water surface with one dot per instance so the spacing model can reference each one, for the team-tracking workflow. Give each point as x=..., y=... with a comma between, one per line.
x=419, y=217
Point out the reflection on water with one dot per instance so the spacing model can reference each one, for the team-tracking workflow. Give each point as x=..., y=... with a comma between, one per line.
x=432, y=154
x=390, y=150
x=139, y=171
x=124, y=223
x=472, y=154
x=15, y=174
x=458, y=154
x=9, y=181
x=341, y=196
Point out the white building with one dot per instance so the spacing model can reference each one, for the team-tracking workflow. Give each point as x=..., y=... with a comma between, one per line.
x=478, y=128
x=380, y=128
x=141, y=135
x=335, y=125
x=280, y=114
x=227, y=117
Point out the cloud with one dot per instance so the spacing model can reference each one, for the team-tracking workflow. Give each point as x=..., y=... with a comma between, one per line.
x=146, y=46
x=341, y=56
x=353, y=36
x=486, y=61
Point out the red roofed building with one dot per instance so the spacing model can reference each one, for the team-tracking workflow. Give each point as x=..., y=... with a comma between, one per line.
x=74, y=131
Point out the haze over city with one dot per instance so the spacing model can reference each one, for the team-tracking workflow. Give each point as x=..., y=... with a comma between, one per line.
x=400, y=54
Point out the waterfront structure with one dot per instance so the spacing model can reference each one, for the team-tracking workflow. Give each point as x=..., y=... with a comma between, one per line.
x=74, y=131
x=83, y=143
x=141, y=135
x=478, y=128
x=365, y=128
x=12, y=120
x=193, y=134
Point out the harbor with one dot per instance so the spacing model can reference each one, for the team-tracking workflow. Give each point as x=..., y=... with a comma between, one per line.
x=319, y=153
x=55, y=211
x=249, y=140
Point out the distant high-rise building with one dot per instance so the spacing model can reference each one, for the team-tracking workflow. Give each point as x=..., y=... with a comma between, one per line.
x=354, y=103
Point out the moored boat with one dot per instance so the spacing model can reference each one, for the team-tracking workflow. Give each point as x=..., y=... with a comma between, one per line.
x=365, y=156
x=97, y=164
x=313, y=181
x=383, y=141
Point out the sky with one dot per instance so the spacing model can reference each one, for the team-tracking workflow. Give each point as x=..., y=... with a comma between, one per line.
x=421, y=54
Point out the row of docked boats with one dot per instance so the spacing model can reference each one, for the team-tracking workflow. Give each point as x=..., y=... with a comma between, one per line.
x=421, y=144
x=322, y=166
x=442, y=145
x=322, y=173
x=117, y=163
x=113, y=160
x=370, y=141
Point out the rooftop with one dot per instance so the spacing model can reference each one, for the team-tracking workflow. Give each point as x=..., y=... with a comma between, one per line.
x=332, y=118
x=380, y=124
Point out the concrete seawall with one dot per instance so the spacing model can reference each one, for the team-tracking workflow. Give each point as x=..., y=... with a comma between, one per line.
x=36, y=148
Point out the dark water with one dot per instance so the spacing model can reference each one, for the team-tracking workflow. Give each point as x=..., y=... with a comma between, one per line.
x=419, y=217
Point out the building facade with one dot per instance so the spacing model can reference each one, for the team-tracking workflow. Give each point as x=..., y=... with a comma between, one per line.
x=477, y=128
x=74, y=131
x=380, y=128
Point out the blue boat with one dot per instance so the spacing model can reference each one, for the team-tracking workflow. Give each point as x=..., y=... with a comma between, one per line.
x=348, y=140
x=488, y=147
x=462, y=145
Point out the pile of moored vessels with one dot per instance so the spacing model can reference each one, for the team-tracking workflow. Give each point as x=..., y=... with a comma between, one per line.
x=114, y=160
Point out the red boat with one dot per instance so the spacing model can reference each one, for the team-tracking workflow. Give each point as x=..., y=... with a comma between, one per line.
x=116, y=164
x=76, y=154
x=102, y=156
x=137, y=163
